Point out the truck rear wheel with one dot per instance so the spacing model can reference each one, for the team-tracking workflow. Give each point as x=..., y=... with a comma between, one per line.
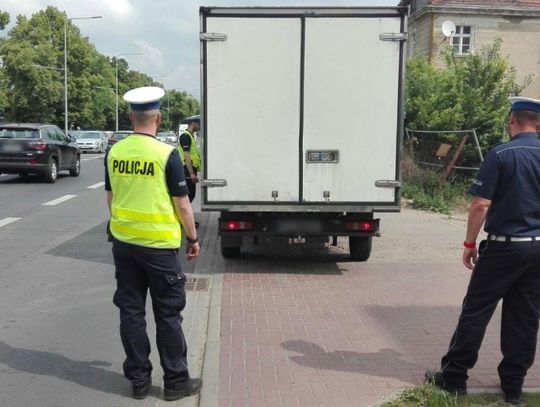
x=360, y=248
x=230, y=245
x=230, y=252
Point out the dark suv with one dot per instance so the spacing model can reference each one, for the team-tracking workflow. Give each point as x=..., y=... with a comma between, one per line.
x=43, y=149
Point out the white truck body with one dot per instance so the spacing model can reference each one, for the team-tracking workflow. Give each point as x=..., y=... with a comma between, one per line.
x=302, y=109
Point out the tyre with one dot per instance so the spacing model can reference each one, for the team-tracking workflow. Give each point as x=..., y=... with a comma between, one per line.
x=360, y=248
x=51, y=173
x=75, y=171
x=230, y=252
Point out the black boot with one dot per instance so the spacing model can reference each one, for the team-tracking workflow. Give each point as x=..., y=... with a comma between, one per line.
x=183, y=389
x=140, y=391
x=437, y=380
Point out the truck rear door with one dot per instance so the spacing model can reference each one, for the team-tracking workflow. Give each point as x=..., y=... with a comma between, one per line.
x=302, y=106
x=351, y=96
x=252, y=87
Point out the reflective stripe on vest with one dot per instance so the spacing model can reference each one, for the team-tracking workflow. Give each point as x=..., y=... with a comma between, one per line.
x=193, y=152
x=142, y=211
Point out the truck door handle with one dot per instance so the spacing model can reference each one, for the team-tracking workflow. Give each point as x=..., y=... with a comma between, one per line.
x=213, y=183
x=387, y=183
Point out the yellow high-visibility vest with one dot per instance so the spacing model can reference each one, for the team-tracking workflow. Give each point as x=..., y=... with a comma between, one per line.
x=193, y=152
x=142, y=211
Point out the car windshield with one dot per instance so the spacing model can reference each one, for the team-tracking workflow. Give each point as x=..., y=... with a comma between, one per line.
x=76, y=134
x=18, y=133
x=90, y=134
x=120, y=136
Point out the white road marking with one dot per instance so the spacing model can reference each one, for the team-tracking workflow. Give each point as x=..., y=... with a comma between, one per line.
x=93, y=158
x=96, y=186
x=59, y=200
x=7, y=221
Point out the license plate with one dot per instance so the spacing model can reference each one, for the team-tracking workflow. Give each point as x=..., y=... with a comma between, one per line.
x=295, y=226
x=11, y=148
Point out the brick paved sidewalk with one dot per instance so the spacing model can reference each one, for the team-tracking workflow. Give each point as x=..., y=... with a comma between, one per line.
x=303, y=326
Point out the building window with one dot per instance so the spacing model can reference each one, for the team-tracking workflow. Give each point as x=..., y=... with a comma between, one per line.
x=461, y=40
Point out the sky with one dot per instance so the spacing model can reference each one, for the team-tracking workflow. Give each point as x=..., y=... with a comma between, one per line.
x=165, y=31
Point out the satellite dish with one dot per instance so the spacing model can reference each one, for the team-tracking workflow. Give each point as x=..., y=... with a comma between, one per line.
x=448, y=28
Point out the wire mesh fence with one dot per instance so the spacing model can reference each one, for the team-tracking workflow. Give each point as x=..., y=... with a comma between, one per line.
x=444, y=151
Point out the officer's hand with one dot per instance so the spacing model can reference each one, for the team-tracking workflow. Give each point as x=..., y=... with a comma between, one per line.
x=194, y=178
x=192, y=250
x=470, y=256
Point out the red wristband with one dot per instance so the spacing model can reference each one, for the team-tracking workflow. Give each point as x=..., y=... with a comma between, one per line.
x=469, y=245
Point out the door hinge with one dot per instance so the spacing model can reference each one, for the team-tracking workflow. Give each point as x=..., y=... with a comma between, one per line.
x=213, y=37
x=393, y=37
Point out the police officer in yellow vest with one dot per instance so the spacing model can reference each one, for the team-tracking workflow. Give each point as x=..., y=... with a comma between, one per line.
x=189, y=152
x=148, y=200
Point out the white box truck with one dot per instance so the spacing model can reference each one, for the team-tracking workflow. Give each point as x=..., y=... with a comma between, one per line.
x=302, y=121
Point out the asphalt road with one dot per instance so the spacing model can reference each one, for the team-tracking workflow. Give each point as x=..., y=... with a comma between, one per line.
x=59, y=341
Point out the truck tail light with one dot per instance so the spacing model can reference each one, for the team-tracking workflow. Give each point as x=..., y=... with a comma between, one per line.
x=360, y=226
x=233, y=225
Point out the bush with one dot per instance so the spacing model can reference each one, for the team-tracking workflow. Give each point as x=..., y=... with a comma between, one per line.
x=470, y=92
x=428, y=191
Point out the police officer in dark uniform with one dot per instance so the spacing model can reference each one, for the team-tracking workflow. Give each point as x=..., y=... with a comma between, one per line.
x=190, y=155
x=147, y=198
x=507, y=265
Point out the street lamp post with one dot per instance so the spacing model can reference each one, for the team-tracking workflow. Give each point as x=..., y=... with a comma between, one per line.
x=116, y=66
x=66, y=120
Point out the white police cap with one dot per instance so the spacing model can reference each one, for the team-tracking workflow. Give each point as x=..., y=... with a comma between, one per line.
x=523, y=103
x=145, y=98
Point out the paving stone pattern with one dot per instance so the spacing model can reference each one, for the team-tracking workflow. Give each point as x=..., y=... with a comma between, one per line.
x=303, y=326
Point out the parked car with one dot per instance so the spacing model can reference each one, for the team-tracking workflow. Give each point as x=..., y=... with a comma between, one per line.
x=117, y=136
x=94, y=141
x=75, y=133
x=42, y=149
x=162, y=136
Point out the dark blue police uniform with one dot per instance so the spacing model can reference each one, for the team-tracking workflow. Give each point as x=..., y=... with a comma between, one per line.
x=508, y=267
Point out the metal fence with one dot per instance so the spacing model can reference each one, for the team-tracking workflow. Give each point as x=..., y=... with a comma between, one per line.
x=444, y=151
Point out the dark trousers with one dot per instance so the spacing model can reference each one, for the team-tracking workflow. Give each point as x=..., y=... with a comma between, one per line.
x=192, y=188
x=511, y=272
x=137, y=270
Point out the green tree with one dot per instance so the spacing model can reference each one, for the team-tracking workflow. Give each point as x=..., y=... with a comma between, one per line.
x=181, y=105
x=4, y=21
x=470, y=92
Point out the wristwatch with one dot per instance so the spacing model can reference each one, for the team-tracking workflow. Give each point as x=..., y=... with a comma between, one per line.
x=192, y=241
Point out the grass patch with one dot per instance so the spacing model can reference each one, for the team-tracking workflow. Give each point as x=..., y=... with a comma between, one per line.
x=430, y=396
x=427, y=191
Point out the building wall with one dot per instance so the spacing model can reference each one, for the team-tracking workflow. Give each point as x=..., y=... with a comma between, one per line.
x=521, y=41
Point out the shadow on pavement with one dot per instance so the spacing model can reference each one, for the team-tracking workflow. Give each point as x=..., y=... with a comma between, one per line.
x=276, y=255
x=28, y=179
x=88, y=374
x=267, y=264
x=91, y=245
x=387, y=363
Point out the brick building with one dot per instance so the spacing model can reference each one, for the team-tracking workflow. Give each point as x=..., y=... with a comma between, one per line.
x=478, y=23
